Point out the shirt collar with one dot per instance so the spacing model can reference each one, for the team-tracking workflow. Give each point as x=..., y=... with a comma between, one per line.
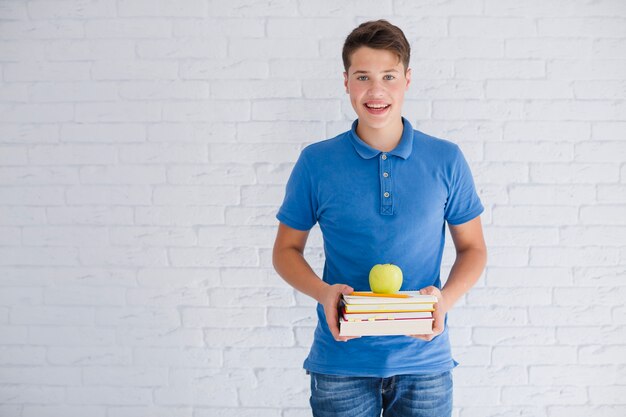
x=403, y=149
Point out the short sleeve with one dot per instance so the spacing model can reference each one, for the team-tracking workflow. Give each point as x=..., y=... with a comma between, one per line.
x=300, y=203
x=463, y=203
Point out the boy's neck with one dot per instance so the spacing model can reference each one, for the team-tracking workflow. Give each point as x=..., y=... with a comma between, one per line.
x=384, y=139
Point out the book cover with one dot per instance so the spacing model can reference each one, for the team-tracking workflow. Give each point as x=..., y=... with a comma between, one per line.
x=385, y=327
x=414, y=297
x=387, y=316
x=387, y=308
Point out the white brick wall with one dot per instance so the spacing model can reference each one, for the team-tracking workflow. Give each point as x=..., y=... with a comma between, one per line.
x=144, y=149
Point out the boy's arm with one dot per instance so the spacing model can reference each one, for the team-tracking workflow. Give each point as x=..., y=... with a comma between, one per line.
x=289, y=262
x=471, y=258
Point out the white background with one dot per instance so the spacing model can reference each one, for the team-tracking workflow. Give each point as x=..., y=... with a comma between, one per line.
x=144, y=150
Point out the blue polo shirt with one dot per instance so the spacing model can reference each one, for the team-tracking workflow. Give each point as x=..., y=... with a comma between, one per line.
x=373, y=208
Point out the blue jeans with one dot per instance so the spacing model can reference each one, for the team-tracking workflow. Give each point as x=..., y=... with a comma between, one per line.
x=397, y=396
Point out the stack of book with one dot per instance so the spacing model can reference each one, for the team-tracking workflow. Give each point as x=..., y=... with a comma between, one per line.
x=370, y=314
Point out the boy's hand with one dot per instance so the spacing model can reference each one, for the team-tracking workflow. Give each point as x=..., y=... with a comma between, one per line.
x=439, y=314
x=330, y=300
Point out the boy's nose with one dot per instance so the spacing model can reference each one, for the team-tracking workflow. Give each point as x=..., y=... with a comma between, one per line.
x=376, y=89
x=376, y=93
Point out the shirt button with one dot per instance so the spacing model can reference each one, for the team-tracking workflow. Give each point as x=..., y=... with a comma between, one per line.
x=385, y=174
x=384, y=156
x=386, y=194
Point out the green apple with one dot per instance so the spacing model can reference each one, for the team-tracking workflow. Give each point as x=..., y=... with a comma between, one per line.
x=385, y=278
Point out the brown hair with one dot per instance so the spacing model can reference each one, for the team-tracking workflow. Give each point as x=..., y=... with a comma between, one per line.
x=377, y=34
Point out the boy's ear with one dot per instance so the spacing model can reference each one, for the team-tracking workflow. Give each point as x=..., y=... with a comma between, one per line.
x=345, y=81
x=408, y=78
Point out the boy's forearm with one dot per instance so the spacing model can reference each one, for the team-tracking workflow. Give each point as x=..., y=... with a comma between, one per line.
x=296, y=271
x=465, y=272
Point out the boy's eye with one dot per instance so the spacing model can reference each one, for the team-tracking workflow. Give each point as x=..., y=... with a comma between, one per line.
x=386, y=77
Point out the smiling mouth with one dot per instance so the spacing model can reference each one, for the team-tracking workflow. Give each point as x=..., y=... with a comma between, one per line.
x=377, y=109
x=377, y=106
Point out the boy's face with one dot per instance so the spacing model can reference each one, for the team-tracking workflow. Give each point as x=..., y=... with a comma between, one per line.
x=376, y=83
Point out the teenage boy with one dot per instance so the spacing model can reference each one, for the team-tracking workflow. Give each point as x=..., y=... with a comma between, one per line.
x=381, y=193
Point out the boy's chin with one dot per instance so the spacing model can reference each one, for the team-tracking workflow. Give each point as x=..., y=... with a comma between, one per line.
x=375, y=121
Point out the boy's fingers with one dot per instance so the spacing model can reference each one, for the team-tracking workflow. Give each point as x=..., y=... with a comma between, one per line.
x=335, y=331
x=334, y=328
x=425, y=338
x=332, y=317
x=332, y=324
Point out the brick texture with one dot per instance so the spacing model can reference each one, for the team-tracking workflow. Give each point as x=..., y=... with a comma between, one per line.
x=144, y=150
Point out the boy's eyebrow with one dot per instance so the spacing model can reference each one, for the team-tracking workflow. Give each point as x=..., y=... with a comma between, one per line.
x=367, y=72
